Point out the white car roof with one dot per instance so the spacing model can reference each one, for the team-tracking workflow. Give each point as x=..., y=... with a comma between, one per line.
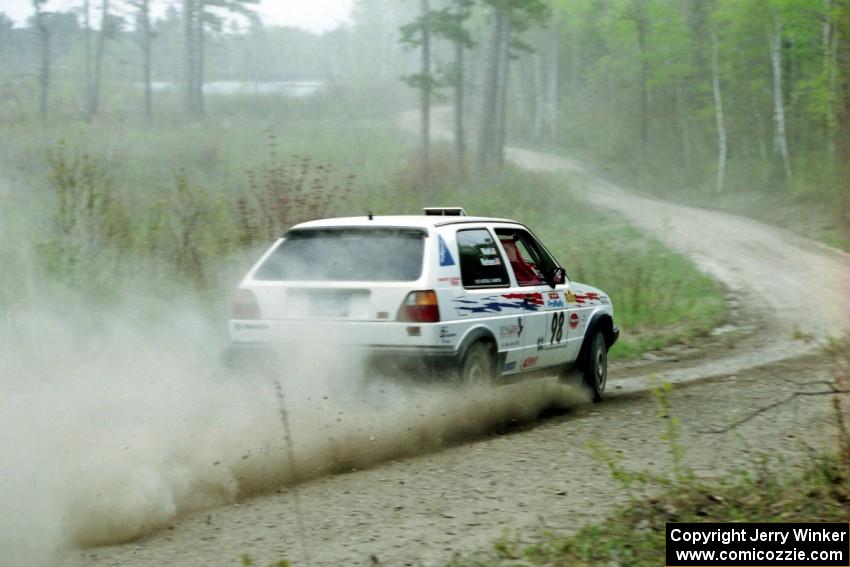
x=413, y=221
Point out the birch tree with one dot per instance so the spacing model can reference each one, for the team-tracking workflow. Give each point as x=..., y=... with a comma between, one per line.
x=780, y=139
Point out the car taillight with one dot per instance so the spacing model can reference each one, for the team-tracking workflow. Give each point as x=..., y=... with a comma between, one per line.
x=420, y=307
x=245, y=305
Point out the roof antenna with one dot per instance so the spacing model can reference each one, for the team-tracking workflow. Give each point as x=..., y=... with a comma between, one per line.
x=370, y=215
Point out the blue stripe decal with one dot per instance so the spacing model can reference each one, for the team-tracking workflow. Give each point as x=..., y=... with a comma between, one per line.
x=445, y=256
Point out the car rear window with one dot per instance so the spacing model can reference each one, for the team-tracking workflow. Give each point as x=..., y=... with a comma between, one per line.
x=348, y=254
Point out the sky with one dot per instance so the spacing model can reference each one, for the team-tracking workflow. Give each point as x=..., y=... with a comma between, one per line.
x=314, y=15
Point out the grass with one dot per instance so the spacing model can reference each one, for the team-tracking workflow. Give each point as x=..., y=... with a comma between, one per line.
x=805, y=214
x=174, y=205
x=118, y=206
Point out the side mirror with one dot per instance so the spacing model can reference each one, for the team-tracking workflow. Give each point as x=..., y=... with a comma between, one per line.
x=557, y=276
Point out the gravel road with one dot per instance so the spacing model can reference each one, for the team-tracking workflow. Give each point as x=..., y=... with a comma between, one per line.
x=538, y=474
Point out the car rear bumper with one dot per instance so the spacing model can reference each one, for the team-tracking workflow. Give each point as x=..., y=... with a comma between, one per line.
x=386, y=358
x=359, y=334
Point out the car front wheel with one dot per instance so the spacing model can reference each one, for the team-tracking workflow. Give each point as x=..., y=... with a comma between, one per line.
x=596, y=366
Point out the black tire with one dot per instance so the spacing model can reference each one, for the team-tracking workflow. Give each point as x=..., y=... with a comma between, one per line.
x=595, y=371
x=479, y=365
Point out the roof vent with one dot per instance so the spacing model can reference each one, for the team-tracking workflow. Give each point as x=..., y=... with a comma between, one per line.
x=444, y=211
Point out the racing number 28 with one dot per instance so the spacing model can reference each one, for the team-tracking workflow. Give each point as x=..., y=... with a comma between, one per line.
x=557, y=327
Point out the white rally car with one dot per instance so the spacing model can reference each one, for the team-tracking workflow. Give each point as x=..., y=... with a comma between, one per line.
x=479, y=297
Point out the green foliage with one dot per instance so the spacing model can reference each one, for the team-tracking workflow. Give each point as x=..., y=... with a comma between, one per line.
x=179, y=206
x=443, y=23
x=523, y=14
x=672, y=434
x=613, y=54
x=446, y=23
x=89, y=226
x=612, y=461
x=197, y=230
x=680, y=475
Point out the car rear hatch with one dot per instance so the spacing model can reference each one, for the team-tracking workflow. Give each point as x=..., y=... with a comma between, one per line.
x=353, y=274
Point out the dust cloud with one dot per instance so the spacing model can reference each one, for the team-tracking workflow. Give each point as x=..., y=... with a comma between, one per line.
x=113, y=424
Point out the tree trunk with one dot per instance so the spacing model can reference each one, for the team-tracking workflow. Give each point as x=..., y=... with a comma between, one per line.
x=426, y=93
x=192, y=26
x=552, y=90
x=539, y=96
x=460, y=140
x=698, y=16
x=682, y=115
x=829, y=45
x=98, y=58
x=762, y=130
x=780, y=140
x=146, y=56
x=841, y=78
x=502, y=106
x=841, y=40
x=200, y=43
x=640, y=24
x=387, y=43
x=489, y=112
x=44, y=67
x=87, y=88
x=718, y=114
x=473, y=74
x=188, y=55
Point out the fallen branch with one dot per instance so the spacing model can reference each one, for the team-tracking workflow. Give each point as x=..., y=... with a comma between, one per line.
x=833, y=390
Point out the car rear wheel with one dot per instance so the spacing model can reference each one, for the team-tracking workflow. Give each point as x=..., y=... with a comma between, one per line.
x=478, y=368
x=595, y=370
